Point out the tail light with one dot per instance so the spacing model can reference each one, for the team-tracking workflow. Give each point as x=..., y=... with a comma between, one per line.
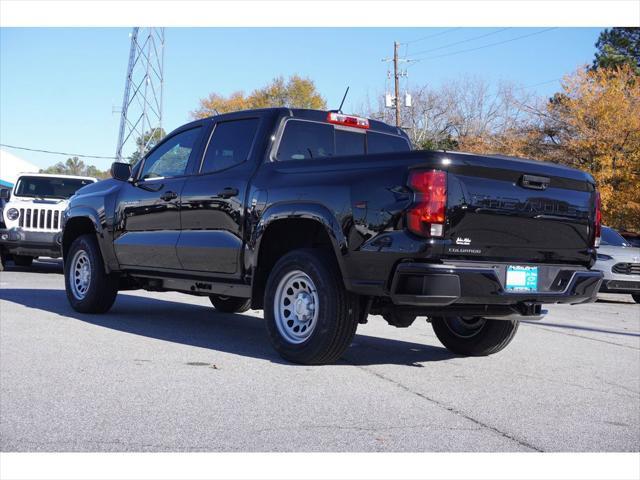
x=597, y=228
x=427, y=215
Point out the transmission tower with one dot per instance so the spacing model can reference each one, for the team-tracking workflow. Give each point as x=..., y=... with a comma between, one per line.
x=142, y=103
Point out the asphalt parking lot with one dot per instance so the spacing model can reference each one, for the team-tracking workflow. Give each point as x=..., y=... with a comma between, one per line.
x=166, y=372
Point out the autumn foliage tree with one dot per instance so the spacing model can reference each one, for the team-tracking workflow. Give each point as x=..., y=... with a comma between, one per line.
x=295, y=92
x=594, y=124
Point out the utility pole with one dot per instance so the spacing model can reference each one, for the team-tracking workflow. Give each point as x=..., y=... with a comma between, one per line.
x=396, y=78
x=394, y=102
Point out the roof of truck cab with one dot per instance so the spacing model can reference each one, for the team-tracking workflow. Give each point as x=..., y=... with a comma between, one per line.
x=303, y=113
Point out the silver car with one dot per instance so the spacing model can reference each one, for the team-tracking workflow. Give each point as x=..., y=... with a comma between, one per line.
x=620, y=263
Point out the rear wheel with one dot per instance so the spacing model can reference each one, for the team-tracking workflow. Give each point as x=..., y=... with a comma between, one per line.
x=89, y=288
x=311, y=318
x=230, y=304
x=22, y=260
x=636, y=297
x=474, y=336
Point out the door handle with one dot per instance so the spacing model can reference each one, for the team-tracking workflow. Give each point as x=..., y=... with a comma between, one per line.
x=534, y=182
x=228, y=192
x=168, y=196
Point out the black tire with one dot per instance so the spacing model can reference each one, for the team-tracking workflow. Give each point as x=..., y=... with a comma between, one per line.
x=230, y=304
x=636, y=297
x=474, y=337
x=3, y=259
x=102, y=288
x=336, y=319
x=22, y=260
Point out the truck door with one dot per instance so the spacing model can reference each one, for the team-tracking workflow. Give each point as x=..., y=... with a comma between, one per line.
x=148, y=209
x=213, y=199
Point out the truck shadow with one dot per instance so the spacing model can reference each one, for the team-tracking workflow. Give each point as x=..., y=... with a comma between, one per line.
x=49, y=265
x=203, y=327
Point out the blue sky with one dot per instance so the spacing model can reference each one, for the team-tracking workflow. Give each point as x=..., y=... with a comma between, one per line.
x=58, y=85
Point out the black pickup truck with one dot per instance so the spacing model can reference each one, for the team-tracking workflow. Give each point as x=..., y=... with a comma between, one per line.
x=321, y=219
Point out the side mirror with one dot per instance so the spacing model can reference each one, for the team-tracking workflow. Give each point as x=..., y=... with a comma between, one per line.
x=5, y=193
x=121, y=171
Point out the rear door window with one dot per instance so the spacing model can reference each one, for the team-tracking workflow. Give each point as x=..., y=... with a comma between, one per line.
x=305, y=140
x=229, y=145
x=383, y=143
x=349, y=143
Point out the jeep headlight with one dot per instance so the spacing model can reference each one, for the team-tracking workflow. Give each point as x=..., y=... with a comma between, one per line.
x=13, y=214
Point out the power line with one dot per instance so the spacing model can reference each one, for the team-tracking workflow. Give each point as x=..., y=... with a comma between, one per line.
x=461, y=41
x=56, y=153
x=486, y=46
x=450, y=30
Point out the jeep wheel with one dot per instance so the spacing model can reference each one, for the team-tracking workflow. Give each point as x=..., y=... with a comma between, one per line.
x=89, y=288
x=230, y=304
x=636, y=297
x=22, y=260
x=474, y=336
x=311, y=318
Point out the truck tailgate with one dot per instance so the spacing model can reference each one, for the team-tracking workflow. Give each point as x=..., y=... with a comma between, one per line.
x=516, y=210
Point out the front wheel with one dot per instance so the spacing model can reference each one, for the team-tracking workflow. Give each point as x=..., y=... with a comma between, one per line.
x=636, y=297
x=89, y=288
x=311, y=318
x=474, y=336
x=230, y=304
x=22, y=260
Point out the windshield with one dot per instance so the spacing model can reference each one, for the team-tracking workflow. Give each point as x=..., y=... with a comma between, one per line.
x=49, y=187
x=613, y=238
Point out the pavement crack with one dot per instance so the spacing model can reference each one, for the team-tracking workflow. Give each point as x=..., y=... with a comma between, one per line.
x=451, y=409
x=585, y=337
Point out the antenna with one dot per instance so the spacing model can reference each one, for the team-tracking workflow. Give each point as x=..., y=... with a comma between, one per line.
x=343, y=99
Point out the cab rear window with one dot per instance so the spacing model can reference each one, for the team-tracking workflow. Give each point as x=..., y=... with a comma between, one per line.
x=306, y=140
x=383, y=143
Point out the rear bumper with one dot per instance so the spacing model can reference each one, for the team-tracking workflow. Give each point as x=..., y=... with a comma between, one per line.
x=454, y=286
x=23, y=242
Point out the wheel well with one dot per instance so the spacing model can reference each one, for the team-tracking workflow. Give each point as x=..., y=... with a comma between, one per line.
x=73, y=229
x=281, y=237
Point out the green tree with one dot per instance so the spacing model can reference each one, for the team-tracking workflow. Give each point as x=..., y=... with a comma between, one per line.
x=618, y=46
x=295, y=92
x=75, y=166
x=145, y=143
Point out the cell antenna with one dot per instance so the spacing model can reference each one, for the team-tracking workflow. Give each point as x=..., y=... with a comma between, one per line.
x=141, y=113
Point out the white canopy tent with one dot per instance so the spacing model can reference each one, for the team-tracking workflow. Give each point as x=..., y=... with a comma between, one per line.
x=12, y=166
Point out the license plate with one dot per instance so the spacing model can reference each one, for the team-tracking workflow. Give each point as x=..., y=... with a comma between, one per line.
x=522, y=278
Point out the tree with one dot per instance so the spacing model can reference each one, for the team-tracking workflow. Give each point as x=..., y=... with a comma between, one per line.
x=75, y=166
x=296, y=92
x=618, y=46
x=594, y=125
x=145, y=143
x=464, y=114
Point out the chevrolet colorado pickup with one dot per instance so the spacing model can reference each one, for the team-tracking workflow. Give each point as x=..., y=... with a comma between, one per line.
x=321, y=218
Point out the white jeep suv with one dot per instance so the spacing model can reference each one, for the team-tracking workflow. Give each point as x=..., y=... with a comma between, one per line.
x=32, y=217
